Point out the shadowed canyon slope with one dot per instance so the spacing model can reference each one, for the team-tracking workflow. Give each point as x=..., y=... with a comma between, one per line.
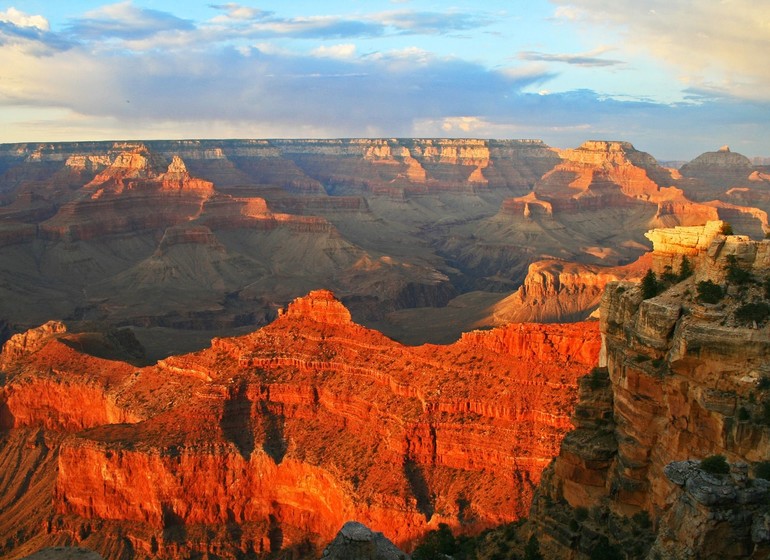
x=184, y=237
x=273, y=440
x=686, y=378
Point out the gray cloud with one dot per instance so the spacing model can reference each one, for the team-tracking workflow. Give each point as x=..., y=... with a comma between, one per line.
x=125, y=21
x=585, y=59
x=32, y=39
x=257, y=23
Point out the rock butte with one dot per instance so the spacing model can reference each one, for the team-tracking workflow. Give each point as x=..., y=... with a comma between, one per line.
x=274, y=439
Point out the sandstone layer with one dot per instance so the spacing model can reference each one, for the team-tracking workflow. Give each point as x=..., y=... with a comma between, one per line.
x=273, y=440
x=684, y=380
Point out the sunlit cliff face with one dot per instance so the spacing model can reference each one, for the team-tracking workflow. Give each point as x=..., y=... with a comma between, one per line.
x=299, y=427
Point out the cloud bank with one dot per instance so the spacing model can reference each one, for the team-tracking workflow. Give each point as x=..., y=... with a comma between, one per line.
x=123, y=71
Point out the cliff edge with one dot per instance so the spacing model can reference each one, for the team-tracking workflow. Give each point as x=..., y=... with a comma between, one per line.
x=684, y=376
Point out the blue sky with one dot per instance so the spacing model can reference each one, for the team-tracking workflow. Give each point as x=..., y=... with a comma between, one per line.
x=675, y=77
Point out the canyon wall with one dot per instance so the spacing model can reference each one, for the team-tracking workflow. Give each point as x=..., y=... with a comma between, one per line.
x=203, y=235
x=684, y=380
x=272, y=440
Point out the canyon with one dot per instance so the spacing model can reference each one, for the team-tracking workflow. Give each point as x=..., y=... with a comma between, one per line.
x=271, y=441
x=233, y=348
x=184, y=240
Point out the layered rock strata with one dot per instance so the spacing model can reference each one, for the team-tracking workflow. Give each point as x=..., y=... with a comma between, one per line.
x=271, y=441
x=688, y=380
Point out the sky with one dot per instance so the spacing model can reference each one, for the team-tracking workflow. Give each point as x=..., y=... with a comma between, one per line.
x=674, y=77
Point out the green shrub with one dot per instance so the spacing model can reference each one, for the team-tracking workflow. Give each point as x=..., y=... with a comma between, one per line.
x=436, y=545
x=764, y=383
x=642, y=518
x=735, y=274
x=532, y=550
x=743, y=414
x=581, y=514
x=685, y=269
x=762, y=470
x=715, y=464
x=753, y=312
x=766, y=286
x=650, y=286
x=605, y=551
x=727, y=229
x=708, y=292
x=668, y=275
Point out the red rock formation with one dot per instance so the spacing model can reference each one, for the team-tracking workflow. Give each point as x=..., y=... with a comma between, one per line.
x=683, y=380
x=288, y=432
x=557, y=291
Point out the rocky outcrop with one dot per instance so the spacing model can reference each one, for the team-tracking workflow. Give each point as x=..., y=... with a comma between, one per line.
x=356, y=541
x=557, y=291
x=715, y=172
x=714, y=515
x=607, y=172
x=686, y=382
x=273, y=440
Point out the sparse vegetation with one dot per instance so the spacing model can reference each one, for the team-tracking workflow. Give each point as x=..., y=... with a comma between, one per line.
x=650, y=285
x=596, y=378
x=668, y=275
x=642, y=518
x=727, y=229
x=436, y=545
x=708, y=292
x=605, y=551
x=764, y=383
x=762, y=470
x=736, y=274
x=766, y=286
x=753, y=312
x=581, y=514
x=766, y=412
x=715, y=464
x=743, y=414
x=685, y=269
x=532, y=550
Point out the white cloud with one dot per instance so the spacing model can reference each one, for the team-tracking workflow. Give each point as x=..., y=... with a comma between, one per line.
x=347, y=50
x=238, y=12
x=716, y=43
x=20, y=19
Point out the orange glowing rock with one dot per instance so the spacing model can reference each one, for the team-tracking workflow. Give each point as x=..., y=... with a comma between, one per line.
x=290, y=431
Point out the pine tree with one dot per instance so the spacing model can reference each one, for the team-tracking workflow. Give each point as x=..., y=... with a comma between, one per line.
x=532, y=550
x=649, y=285
x=685, y=269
